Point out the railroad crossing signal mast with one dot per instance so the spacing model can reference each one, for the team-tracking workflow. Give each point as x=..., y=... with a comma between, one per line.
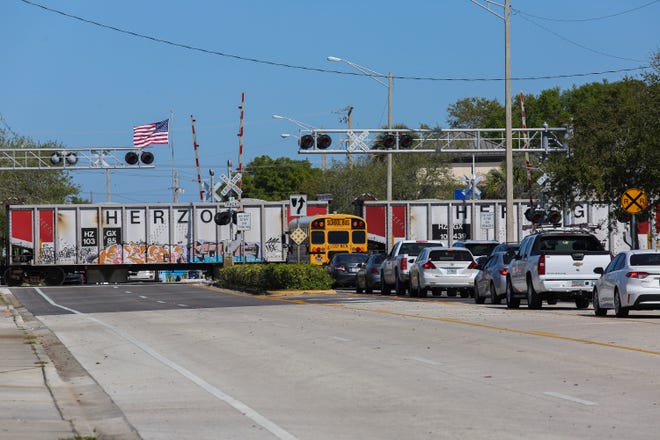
x=87, y=158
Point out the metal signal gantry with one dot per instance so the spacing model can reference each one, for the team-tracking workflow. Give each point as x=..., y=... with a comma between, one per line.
x=479, y=141
x=75, y=158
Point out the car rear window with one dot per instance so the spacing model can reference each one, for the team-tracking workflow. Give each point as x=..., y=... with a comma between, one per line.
x=480, y=248
x=351, y=258
x=568, y=243
x=645, y=260
x=450, y=255
x=414, y=249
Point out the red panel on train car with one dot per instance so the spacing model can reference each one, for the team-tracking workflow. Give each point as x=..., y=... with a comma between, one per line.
x=21, y=226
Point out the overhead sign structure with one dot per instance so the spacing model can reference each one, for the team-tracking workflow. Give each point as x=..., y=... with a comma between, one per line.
x=634, y=201
x=298, y=205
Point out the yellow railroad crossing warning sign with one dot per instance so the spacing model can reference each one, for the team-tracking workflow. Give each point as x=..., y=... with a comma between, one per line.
x=298, y=236
x=634, y=201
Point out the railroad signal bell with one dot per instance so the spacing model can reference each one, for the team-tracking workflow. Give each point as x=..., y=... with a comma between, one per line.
x=146, y=157
x=225, y=217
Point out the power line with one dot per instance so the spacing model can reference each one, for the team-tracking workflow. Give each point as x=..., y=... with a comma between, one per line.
x=582, y=46
x=321, y=70
x=580, y=20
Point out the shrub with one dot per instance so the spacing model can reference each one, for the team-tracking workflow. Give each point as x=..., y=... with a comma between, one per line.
x=262, y=277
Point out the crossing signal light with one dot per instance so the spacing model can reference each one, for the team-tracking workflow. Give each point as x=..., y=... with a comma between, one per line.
x=323, y=141
x=554, y=217
x=225, y=217
x=405, y=140
x=306, y=142
x=535, y=216
x=146, y=157
x=389, y=141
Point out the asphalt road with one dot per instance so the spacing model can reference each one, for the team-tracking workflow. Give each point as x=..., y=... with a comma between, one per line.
x=184, y=361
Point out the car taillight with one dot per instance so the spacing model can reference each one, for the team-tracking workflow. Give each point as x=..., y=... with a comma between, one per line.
x=358, y=249
x=541, y=268
x=639, y=275
x=504, y=272
x=473, y=265
x=341, y=267
x=374, y=271
x=404, y=264
x=428, y=265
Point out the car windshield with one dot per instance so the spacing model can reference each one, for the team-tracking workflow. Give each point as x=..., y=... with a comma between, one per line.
x=645, y=260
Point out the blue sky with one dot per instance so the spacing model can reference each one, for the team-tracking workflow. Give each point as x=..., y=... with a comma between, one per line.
x=85, y=85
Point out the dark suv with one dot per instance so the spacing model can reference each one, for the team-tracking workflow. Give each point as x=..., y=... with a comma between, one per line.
x=479, y=248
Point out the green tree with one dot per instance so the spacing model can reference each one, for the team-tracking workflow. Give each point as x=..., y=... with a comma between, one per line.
x=276, y=179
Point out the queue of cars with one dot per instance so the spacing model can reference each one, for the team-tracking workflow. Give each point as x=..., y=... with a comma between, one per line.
x=483, y=270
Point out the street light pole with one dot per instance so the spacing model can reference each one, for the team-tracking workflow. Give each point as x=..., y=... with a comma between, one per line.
x=506, y=17
x=375, y=75
x=509, y=137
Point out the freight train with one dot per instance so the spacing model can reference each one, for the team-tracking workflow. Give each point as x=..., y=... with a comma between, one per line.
x=107, y=241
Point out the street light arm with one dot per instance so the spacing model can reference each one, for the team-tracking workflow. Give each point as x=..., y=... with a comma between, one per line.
x=298, y=123
x=369, y=72
x=487, y=8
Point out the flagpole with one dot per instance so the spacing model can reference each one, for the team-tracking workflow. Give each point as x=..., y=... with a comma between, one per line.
x=175, y=193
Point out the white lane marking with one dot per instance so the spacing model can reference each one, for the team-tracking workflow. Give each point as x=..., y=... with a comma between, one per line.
x=241, y=407
x=183, y=305
x=128, y=291
x=160, y=302
x=142, y=296
x=570, y=398
x=339, y=338
x=424, y=361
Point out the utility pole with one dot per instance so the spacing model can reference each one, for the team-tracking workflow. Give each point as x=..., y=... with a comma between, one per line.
x=510, y=236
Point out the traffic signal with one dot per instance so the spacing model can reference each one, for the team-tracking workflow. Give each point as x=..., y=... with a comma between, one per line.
x=56, y=158
x=554, y=217
x=389, y=141
x=323, y=141
x=405, y=140
x=306, y=142
x=536, y=216
x=225, y=217
x=146, y=157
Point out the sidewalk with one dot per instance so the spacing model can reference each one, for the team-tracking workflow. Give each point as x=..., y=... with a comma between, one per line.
x=35, y=401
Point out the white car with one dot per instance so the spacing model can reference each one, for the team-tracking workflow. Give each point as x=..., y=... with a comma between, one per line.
x=630, y=282
x=441, y=268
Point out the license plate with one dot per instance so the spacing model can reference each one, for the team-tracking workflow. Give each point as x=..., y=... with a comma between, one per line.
x=451, y=271
x=580, y=283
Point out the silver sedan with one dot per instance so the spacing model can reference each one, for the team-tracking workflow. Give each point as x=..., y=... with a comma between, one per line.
x=440, y=268
x=630, y=282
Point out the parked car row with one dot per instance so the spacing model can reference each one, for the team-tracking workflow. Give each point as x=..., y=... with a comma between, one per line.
x=482, y=269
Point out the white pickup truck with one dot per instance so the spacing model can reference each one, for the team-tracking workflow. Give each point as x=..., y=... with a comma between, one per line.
x=395, y=269
x=554, y=265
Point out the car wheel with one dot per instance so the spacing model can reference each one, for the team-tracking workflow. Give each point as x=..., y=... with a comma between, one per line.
x=477, y=298
x=464, y=293
x=451, y=292
x=494, y=297
x=598, y=311
x=400, y=287
x=384, y=288
x=368, y=289
x=422, y=293
x=581, y=302
x=511, y=302
x=533, y=298
x=436, y=292
x=411, y=288
x=358, y=288
x=619, y=310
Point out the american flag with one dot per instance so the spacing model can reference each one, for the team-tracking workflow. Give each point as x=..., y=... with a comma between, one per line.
x=154, y=133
